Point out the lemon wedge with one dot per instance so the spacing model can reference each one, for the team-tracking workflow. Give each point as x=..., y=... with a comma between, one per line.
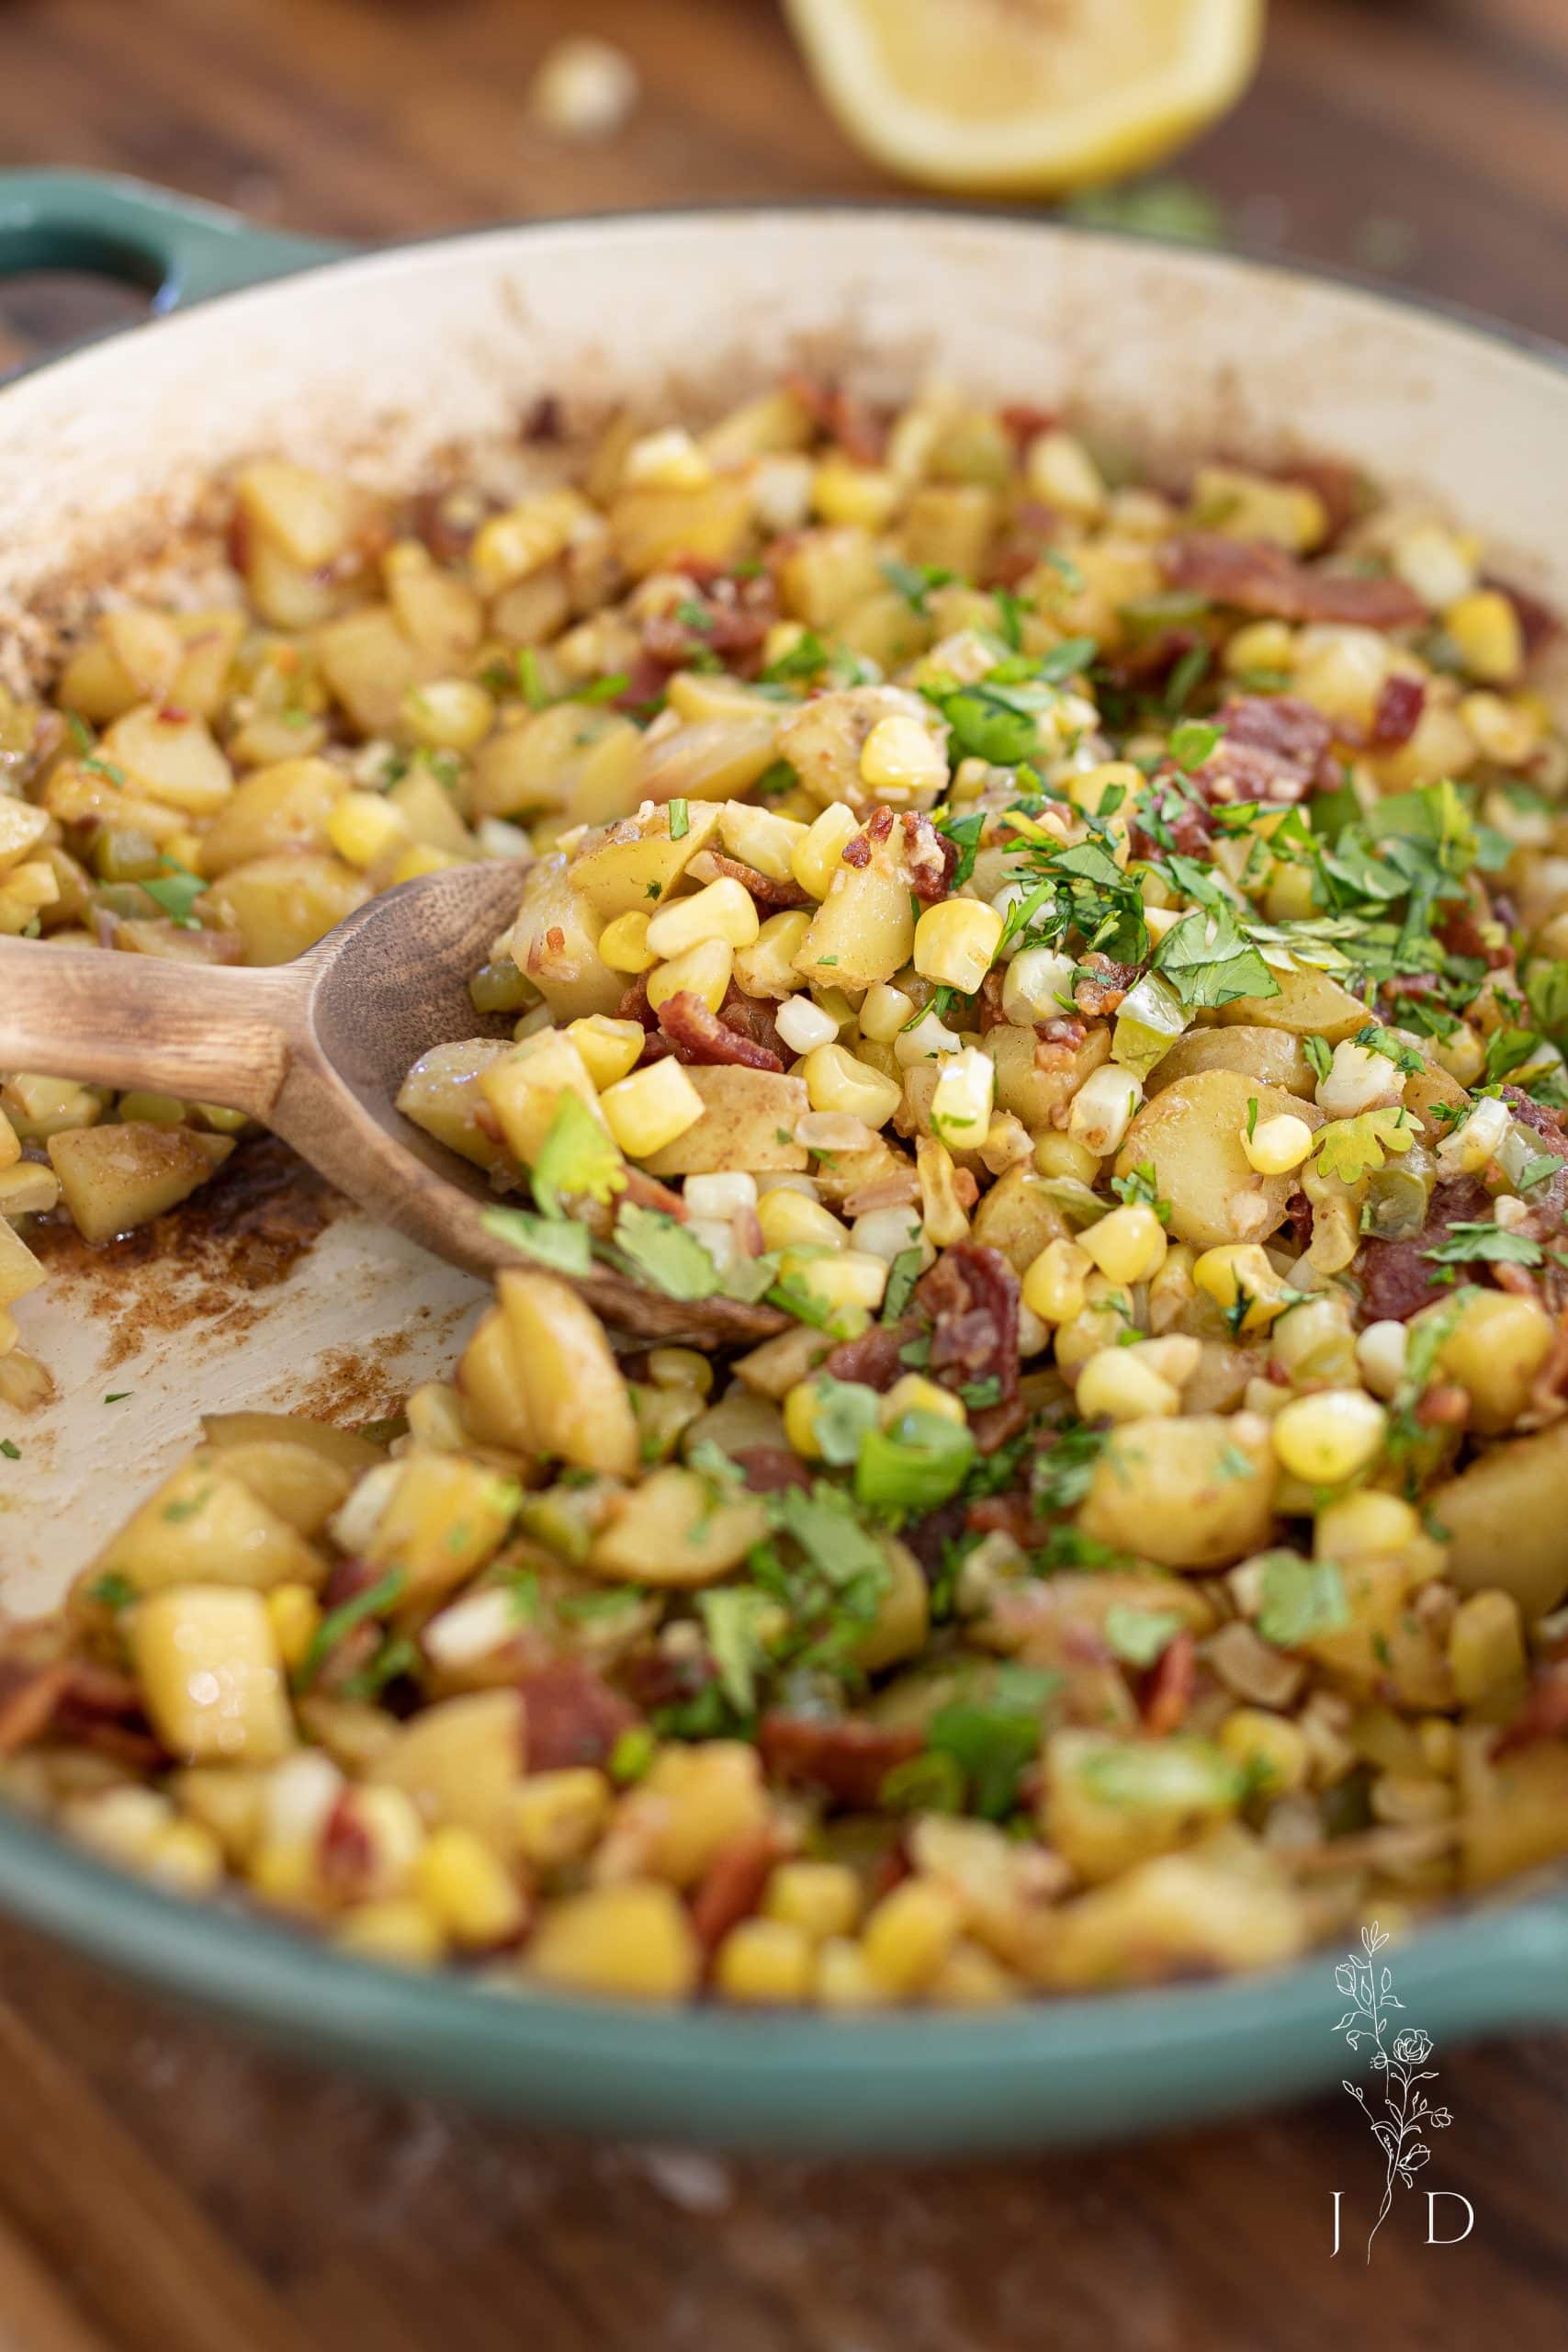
x=1026, y=97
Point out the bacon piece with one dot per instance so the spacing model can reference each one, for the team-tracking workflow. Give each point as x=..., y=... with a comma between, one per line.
x=646, y=681
x=1540, y=1117
x=569, y=1717
x=856, y=851
x=753, y=1017
x=1544, y=1715
x=1097, y=997
x=1337, y=484
x=732, y=1884
x=447, y=524
x=1398, y=713
x=930, y=857
x=699, y=1036
x=1023, y=421
x=29, y=1697
x=847, y=1761
x=1461, y=933
x=1029, y=530
x=1256, y=578
x=1170, y=1687
x=993, y=1425
x=646, y=1191
x=1271, y=747
x=1396, y=1277
x=972, y=1296
x=770, y=1468
x=766, y=891
x=859, y=430
x=658, y=1677
x=874, y=1358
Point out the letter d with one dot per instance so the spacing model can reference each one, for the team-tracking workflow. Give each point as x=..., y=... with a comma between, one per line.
x=1432, y=2196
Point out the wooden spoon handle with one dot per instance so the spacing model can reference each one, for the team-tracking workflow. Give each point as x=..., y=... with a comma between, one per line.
x=199, y=1031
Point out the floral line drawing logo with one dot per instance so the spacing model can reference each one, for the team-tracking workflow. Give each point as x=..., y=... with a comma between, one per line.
x=1369, y=1982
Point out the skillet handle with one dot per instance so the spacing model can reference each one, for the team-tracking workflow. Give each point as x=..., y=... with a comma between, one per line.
x=182, y=249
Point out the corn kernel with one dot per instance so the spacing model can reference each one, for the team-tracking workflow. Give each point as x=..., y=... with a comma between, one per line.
x=835, y=1080
x=557, y=1816
x=649, y=1109
x=885, y=1233
x=610, y=1048
x=364, y=827
x=911, y=1394
x=1460, y=1053
x=34, y=883
x=926, y=1039
x=1278, y=1145
x=295, y=1614
x=721, y=1195
x=1111, y=1386
x=1312, y=1342
x=448, y=713
x=704, y=971
x=1465, y=1149
x=956, y=941
x=1356, y=1080
x=421, y=858
x=1486, y=629
x=1270, y=1748
x=1381, y=1350
x=1237, y=1270
x=1325, y=1439
x=1262, y=645
x=1435, y=562
x=464, y=1886
x=817, y=859
x=1129, y=1245
x=1102, y=1108
x=1367, y=1526
x=678, y=1368
x=1507, y=731
x=804, y=1026
x=908, y=1936
x=765, y=1961
x=1486, y=1650
x=10, y=1146
x=632, y=1939
x=791, y=1220
x=883, y=1013
x=187, y=1857
x=970, y=1978
x=942, y=1213
x=767, y=968
x=623, y=945
x=669, y=459
x=723, y=909
x=849, y=1280
x=901, y=755
x=397, y=1930
x=801, y=1406
x=284, y=1873
x=1038, y=987
x=1054, y=1284
x=820, y=1899
x=851, y=495
x=961, y=1104
x=1062, y=473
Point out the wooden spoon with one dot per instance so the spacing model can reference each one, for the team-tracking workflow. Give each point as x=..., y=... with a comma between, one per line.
x=317, y=1050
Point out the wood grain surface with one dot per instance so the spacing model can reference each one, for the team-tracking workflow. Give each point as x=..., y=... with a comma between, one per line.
x=163, y=2189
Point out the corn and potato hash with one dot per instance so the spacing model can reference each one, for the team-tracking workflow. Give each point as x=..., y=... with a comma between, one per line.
x=1088, y=962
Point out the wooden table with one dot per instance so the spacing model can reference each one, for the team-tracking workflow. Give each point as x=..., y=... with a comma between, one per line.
x=161, y=2188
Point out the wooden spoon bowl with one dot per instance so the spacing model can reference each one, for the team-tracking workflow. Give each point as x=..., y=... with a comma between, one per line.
x=317, y=1050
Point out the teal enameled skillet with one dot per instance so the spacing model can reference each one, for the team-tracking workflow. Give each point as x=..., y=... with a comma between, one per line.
x=391, y=355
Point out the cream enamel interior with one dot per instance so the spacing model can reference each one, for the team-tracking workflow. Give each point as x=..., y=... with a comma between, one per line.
x=391, y=361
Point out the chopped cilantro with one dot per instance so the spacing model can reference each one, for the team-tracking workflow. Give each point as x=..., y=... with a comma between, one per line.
x=579, y=1156
x=111, y=1591
x=1138, y=1636
x=679, y=820
x=117, y=1396
x=11, y=1449
x=1192, y=742
x=902, y=1276
x=531, y=678
x=374, y=1599
x=1465, y=1244
x=914, y=582
x=556, y=1242
x=672, y=1260
x=1319, y=1053
x=737, y=1618
x=1209, y=961
x=1375, y=1039
x=1540, y=1169
x=843, y=1412
x=177, y=891
x=994, y=1739
x=915, y=1466
x=1300, y=1599
x=1140, y=1188
x=632, y=1754
x=1351, y=1148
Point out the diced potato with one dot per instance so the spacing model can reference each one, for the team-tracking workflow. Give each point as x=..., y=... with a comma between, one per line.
x=674, y=1530
x=1109, y=1804
x=709, y=760
x=20, y=1270
x=81, y=795
x=284, y=807
x=826, y=572
x=229, y=1800
x=39, y=1106
x=205, y=1525
x=650, y=526
x=291, y=1465
x=523, y=1089
x=172, y=756
x=282, y=904
x=117, y=1176
x=1174, y=1915
x=1271, y=1056
x=749, y=1121
x=903, y=1614
x=1309, y=1004
x=574, y=757
x=1032, y=1090
x=441, y=1093
x=209, y=642
x=1504, y=1518
x=634, y=865
x=1175, y=1491
x=1493, y=1352
x=1194, y=1133
x=554, y=942
x=147, y=646
x=634, y=1941
x=309, y=515
x=488, y=1380
x=430, y=813
x=1019, y=1217
x=370, y=664
x=695, y=1801
x=1513, y=1808
x=444, y=1516
x=865, y=929
x=22, y=828
x=206, y=1661
x=439, y=614
x=460, y=1762
x=573, y=1399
